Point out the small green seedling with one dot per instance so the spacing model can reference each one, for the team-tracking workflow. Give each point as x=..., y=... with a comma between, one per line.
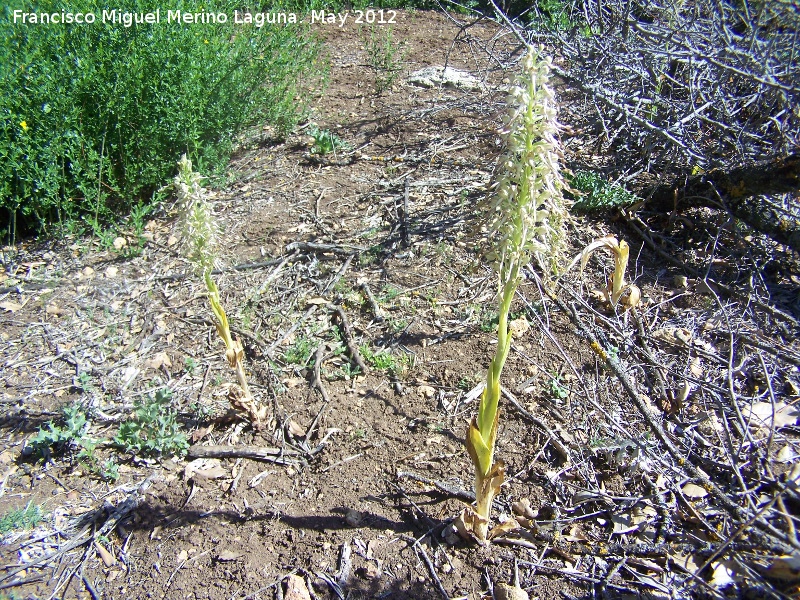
x=300, y=352
x=71, y=438
x=326, y=142
x=557, y=389
x=21, y=518
x=189, y=365
x=62, y=438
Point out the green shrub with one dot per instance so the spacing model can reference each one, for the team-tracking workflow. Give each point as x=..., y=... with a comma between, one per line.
x=384, y=56
x=300, y=352
x=385, y=361
x=72, y=439
x=154, y=430
x=598, y=194
x=93, y=117
x=325, y=141
x=550, y=15
x=58, y=438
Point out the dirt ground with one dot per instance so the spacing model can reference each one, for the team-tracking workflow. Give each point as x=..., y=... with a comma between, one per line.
x=359, y=496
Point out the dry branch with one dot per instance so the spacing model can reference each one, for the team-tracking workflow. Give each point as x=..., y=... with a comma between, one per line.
x=745, y=192
x=347, y=334
x=444, y=488
x=318, y=358
x=767, y=535
x=431, y=569
x=373, y=303
x=323, y=248
x=554, y=439
x=264, y=453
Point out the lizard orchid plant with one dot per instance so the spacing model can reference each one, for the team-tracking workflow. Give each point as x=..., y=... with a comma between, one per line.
x=616, y=288
x=526, y=213
x=199, y=234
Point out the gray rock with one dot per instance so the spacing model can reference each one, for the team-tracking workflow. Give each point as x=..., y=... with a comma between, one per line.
x=447, y=77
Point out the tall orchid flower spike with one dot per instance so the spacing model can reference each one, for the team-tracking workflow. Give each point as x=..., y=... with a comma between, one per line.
x=527, y=211
x=199, y=233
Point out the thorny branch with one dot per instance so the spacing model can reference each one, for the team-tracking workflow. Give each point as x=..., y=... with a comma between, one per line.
x=718, y=85
x=771, y=537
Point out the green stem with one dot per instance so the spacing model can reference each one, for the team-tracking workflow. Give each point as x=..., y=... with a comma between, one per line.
x=487, y=412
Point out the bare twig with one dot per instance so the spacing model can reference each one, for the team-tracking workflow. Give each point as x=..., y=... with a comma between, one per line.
x=426, y=559
x=318, y=358
x=323, y=248
x=345, y=564
x=264, y=453
x=404, y=217
x=373, y=303
x=554, y=439
x=347, y=334
x=776, y=539
x=444, y=488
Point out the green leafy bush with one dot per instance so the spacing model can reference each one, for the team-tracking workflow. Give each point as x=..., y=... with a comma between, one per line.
x=384, y=56
x=385, y=361
x=61, y=438
x=154, y=430
x=93, y=117
x=300, y=352
x=598, y=194
x=71, y=438
x=325, y=141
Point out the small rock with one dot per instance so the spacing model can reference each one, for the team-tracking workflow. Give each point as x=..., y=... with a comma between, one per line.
x=120, y=243
x=519, y=327
x=111, y=272
x=229, y=556
x=450, y=535
x=503, y=591
x=296, y=588
x=353, y=518
x=53, y=309
x=426, y=391
x=447, y=77
x=372, y=571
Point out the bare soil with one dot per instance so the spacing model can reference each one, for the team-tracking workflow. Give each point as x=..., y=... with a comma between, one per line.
x=352, y=505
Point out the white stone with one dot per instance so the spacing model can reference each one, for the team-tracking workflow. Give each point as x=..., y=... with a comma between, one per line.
x=447, y=77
